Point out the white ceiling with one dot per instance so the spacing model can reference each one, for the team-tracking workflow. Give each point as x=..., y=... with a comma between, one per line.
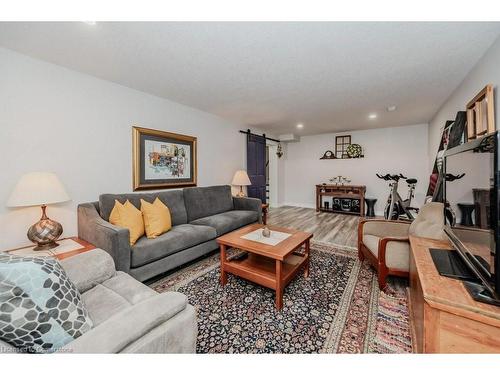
x=329, y=76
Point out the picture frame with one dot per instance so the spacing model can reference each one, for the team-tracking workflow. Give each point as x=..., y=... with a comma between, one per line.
x=341, y=144
x=163, y=160
x=457, y=133
x=480, y=114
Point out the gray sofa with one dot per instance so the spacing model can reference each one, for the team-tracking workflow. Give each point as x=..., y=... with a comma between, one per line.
x=128, y=316
x=199, y=216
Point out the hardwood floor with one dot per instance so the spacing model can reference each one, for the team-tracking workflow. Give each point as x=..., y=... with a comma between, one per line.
x=329, y=227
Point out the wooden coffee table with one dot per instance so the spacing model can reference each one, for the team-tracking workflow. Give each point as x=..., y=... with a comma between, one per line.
x=270, y=266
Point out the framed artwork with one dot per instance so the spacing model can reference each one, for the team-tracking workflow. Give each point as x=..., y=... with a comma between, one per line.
x=163, y=160
x=341, y=144
x=480, y=114
x=457, y=133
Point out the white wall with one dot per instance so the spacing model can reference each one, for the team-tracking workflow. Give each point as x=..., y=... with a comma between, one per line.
x=486, y=71
x=273, y=173
x=281, y=175
x=388, y=150
x=80, y=127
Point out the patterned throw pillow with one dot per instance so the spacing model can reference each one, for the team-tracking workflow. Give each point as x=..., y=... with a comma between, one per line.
x=40, y=308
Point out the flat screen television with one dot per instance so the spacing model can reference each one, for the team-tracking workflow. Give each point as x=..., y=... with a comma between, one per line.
x=474, y=199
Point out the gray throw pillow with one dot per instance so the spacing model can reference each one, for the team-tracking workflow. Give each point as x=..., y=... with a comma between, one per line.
x=40, y=308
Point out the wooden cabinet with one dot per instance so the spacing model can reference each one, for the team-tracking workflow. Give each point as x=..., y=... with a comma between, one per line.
x=346, y=199
x=444, y=318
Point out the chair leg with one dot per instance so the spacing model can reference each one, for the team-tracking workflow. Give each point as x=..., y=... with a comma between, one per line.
x=382, y=279
x=361, y=256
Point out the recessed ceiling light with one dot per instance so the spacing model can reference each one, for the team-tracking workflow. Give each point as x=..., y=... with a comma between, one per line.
x=91, y=23
x=300, y=126
x=372, y=116
x=391, y=108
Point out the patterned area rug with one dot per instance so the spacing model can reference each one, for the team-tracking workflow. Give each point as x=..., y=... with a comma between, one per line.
x=338, y=309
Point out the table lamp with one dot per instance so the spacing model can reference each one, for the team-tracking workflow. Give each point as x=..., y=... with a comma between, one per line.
x=40, y=189
x=241, y=179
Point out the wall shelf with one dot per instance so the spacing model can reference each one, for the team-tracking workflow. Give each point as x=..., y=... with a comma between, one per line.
x=324, y=157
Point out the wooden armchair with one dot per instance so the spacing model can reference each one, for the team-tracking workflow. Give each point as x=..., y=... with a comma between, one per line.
x=385, y=243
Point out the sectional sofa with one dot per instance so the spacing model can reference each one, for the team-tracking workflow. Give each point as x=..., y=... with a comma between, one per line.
x=127, y=316
x=199, y=216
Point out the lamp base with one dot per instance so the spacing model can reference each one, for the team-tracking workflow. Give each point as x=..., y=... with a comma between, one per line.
x=241, y=194
x=47, y=246
x=45, y=232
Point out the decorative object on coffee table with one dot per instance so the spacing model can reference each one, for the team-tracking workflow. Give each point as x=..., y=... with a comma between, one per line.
x=40, y=189
x=266, y=232
x=370, y=207
x=241, y=179
x=163, y=160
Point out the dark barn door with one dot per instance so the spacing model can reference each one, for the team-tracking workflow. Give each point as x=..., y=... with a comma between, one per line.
x=256, y=166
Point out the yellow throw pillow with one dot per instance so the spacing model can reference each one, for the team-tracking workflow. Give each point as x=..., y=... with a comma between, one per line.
x=157, y=218
x=128, y=216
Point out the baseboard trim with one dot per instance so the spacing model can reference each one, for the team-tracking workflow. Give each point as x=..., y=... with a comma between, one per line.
x=295, y=204
x=313, y=206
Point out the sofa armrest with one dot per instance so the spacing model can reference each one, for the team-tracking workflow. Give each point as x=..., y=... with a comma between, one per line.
x=249, y=204
x=102, y=234
x=129, y=325
x=88, y=269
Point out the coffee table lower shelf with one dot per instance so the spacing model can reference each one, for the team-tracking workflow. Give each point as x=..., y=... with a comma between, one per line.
x=262, y=270
x=268, y=272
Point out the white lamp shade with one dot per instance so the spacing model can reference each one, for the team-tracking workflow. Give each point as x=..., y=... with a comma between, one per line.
x=38, y=188
x=241, y=178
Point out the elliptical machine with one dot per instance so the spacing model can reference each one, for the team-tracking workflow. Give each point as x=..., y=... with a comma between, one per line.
x=396, y=207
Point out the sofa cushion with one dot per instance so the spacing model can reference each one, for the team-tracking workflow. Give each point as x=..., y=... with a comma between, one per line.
x=40, y=308
x=371, y=242
x=89, y=268
x=228, y=221
x=157, y=219
x=180, y=237
x=397, y=253
x=429, y=223
x=131, y=324
x=114, y=295
x=173, y=199
x=129, y=288
x=103, y=303
x=129, y=217
x=207, y=201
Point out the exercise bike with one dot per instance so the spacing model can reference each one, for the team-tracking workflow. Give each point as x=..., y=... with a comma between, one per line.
x=396, y=206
